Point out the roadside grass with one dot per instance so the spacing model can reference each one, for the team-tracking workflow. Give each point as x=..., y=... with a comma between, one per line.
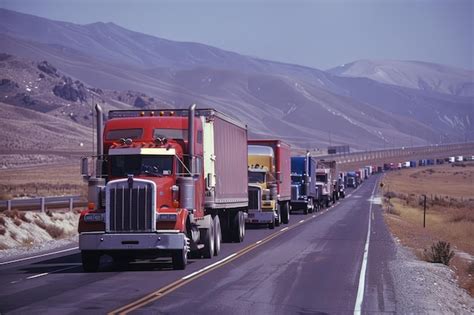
x=42, y=180
x=449, y=214
x=29, y=228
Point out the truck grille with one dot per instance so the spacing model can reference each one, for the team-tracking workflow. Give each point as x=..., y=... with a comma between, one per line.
x=255, y=197
x=131, y=206
x=295, y=194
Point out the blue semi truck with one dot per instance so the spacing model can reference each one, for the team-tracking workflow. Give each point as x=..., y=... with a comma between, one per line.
x=304, y=193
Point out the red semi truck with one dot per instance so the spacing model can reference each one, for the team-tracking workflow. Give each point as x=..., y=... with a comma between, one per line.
x=167, y=183
x=269, y=182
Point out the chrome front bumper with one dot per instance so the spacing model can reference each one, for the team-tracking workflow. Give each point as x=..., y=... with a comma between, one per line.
x=131, y=241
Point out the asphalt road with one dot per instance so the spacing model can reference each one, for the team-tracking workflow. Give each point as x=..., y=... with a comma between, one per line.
x=311, y=266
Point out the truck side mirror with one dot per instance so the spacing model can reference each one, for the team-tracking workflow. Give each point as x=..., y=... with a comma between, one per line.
x=85, y=168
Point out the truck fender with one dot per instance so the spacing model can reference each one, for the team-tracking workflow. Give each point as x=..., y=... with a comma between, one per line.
x=204, y=222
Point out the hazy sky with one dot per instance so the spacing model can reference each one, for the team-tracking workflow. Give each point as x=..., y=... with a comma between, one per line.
x=321, y=34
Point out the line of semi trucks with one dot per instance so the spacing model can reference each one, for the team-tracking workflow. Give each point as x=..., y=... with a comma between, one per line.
x=177, y=183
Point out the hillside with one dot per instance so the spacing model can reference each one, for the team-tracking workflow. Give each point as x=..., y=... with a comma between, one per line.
x=412, y=74
x=307, y=107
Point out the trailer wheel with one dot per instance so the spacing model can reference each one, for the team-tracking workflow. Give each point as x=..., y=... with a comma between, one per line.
x=208, y=237
x=217, y=235
x=238, y=227
x=285, y=211
x=179, y=259
x=242, y=226
x=90, y=260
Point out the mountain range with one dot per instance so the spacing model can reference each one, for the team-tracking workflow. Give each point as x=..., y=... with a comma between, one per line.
x=365, y=104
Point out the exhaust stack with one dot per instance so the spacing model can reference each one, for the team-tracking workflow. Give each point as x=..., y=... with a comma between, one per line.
x=100, y=144
x=191, y=114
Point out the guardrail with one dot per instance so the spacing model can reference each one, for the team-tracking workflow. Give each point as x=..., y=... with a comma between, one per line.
x=43, y=203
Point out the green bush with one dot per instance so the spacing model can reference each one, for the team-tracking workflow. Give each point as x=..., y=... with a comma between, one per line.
x=440, y=253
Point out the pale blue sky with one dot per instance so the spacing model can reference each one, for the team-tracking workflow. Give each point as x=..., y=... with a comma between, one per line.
x=320, y=34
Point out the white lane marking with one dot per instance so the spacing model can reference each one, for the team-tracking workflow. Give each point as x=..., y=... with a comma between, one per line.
x=258, y=242
x=284, y=229
x=363, y=269
x=38, y=256
x=208, y=267
x=314, y=216
x=349, y=195
x=38, y=275
x=301, y=221
x=43, y=274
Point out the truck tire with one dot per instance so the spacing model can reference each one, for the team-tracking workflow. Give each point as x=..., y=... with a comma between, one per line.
x=242, y=226
x=179, y=259
x=285, y=212
x=217, y=235
x=278, y=218
x=238, y=227
x=271, y=225
x=310, y=205
x=208, y=241
x=90, y=260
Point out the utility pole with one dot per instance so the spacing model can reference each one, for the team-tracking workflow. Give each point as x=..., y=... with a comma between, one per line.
x=424, y=211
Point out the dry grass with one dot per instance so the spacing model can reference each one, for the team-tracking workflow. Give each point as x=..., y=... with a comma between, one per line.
x=29, y=228
x=449, y=215
x=44, y=180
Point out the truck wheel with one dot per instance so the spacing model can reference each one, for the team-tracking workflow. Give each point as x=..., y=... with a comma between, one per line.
x=271, y=226
x=217, y=235
x=278, y=218
x=238, y=227
x=242, y=225
x=208, y=238
x=179, y=259
x=90, y=260
x=285, y=212
x=327, y=203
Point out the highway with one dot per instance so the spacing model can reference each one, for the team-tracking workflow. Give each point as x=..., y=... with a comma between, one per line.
x=317, y=264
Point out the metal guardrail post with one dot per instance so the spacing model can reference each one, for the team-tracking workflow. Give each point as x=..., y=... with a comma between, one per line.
x=71, y=203
x=43, y=205
x=9, y=205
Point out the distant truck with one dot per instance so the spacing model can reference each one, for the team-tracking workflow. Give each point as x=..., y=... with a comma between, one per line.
x=303, y=184
x=326, y=181
x=269, y=182
x=167, y=183
x=352, y=180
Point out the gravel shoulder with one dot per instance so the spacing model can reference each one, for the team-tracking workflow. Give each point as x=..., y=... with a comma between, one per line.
x=426, y=288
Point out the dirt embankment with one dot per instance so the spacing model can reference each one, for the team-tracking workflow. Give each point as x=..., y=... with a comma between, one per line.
x=449, y=213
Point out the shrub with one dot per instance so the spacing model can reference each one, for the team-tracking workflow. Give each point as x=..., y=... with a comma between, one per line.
x=440, y=253
x=390, y=194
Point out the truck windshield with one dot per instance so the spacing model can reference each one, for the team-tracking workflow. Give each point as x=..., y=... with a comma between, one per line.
x=296, y=179
x=321, y=178
x=256, y=177
x=149, y=165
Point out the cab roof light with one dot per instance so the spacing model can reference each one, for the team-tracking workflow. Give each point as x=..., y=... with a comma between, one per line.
x=142, y=114
x=152, y=113
x=162, y=113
